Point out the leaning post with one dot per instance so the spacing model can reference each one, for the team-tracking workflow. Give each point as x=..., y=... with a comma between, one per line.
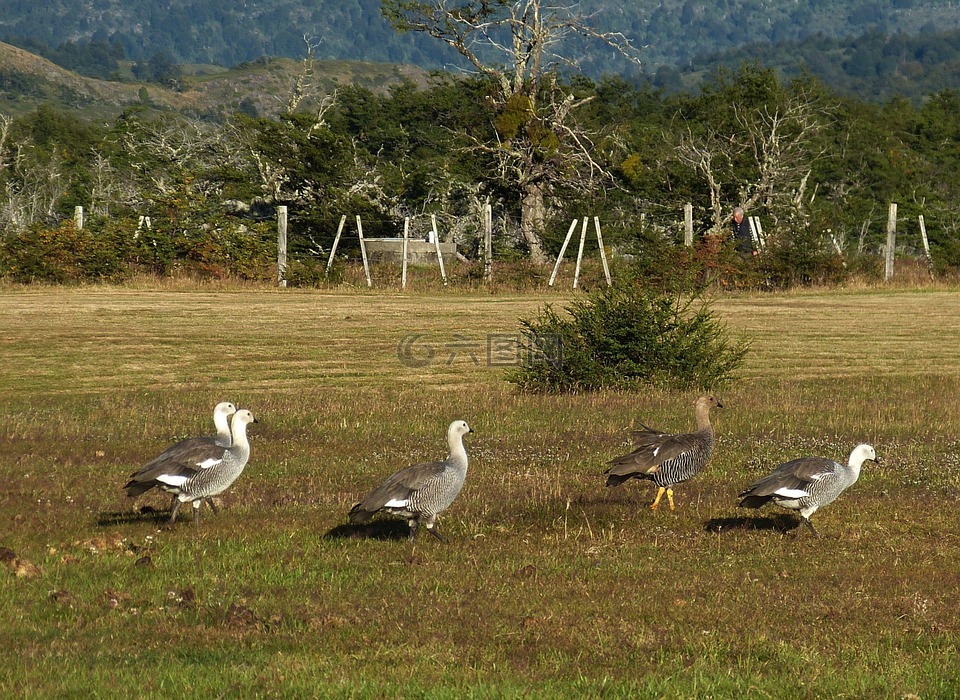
x=436, y=241
x=583, y=239
x=563, y=249
x=363, y=252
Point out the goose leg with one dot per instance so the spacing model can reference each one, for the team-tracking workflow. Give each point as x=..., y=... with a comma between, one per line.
x=413, y=530
x=670, y=497
x=812, y=528
x=656, y=501
x=213, y=506
x=173, y=511
x=196, y=512
x=432, y=529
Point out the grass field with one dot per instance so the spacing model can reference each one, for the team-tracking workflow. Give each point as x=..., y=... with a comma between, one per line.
x=551, y=585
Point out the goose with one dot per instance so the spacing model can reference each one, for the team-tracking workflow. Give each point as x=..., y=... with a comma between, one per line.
x=183, y=453
x=422, y=491
x=667, y=459
x=207, y=471
x=807, y=484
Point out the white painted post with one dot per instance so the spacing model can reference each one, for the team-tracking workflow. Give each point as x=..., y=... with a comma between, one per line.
x=336, y=242
x=563, y=249
x=436, y=241
x=363, y=252
x=406, y=239
x=583, y=239
x=688, y=224
x=603, y=255
x=282, y=245
x=78, y=217
x=891, y=241
x=487, y=243
x=756, y=230
x=926, y=245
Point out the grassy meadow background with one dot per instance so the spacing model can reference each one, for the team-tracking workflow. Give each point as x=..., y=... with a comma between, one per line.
x=551, y=585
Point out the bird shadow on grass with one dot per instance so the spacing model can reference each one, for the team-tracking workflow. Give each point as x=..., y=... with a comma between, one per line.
x=146, y=514
x=781, y=523
x=375, y=530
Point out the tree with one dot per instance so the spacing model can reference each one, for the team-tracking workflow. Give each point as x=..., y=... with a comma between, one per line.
x=757, y=143
x=520, y=48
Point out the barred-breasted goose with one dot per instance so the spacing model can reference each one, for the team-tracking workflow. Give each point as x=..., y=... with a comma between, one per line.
x=186, y=452
x=422, y=491
x=667, y=459
x=807, y=484
x=207, y=471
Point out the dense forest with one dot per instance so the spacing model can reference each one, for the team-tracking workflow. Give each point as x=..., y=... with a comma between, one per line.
x=165, y=194
x=844, y=43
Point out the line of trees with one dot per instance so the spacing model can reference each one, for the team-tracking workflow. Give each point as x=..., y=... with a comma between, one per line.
x=817, y=168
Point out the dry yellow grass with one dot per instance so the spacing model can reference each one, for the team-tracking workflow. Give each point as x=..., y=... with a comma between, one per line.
x=551, y=586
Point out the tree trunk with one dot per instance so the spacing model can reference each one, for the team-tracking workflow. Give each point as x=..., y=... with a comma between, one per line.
x=532, y=218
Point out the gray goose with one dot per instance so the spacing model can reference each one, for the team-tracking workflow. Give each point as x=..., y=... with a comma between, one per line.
x=667, y=459
x=208, y=471
x=422, y=491
x=807, y=484
x=185, y=452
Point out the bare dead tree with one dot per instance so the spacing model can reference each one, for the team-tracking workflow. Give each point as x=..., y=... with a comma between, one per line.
x=520, y=47
x=33, y=192
x=777, y=140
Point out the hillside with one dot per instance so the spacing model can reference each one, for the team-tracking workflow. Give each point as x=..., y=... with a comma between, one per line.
x=226, y=33
x=27, y=80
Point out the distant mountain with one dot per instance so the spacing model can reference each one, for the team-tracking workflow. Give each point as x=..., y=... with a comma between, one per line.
x=874, y=66
x=229, y=32
x=258, y=87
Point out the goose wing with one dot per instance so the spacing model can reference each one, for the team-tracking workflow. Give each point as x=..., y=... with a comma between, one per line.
x=396, y=489
x=791, y=479
x=176, y=465
x=651, y=450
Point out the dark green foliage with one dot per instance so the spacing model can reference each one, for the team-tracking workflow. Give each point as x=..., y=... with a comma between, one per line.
x=799, y=260
x=872, y=65
x=64, y=254
x=626, y=338
x=113, y=251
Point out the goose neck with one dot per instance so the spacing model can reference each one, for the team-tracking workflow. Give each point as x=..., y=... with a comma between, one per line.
x=458, y=453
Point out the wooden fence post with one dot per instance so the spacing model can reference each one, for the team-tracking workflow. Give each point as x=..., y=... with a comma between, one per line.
x=282, y=245
x=926, y=245
x=336, y=242
x=688, y=224
x=756, y=230
x=363, y=252
x=891, y=241
x=436, y=241
x=406, y=239
x=583, y=239
x=488, y=243
x=563, y=249
x=603, y=255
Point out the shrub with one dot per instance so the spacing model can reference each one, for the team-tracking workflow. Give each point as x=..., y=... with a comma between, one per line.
x=63, y=254
x=625, y=338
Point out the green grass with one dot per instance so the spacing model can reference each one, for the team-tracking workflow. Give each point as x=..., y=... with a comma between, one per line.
x=550, y=586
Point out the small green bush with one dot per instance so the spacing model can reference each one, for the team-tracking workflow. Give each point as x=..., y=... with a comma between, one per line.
x=64, y=254
x=625, y=338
